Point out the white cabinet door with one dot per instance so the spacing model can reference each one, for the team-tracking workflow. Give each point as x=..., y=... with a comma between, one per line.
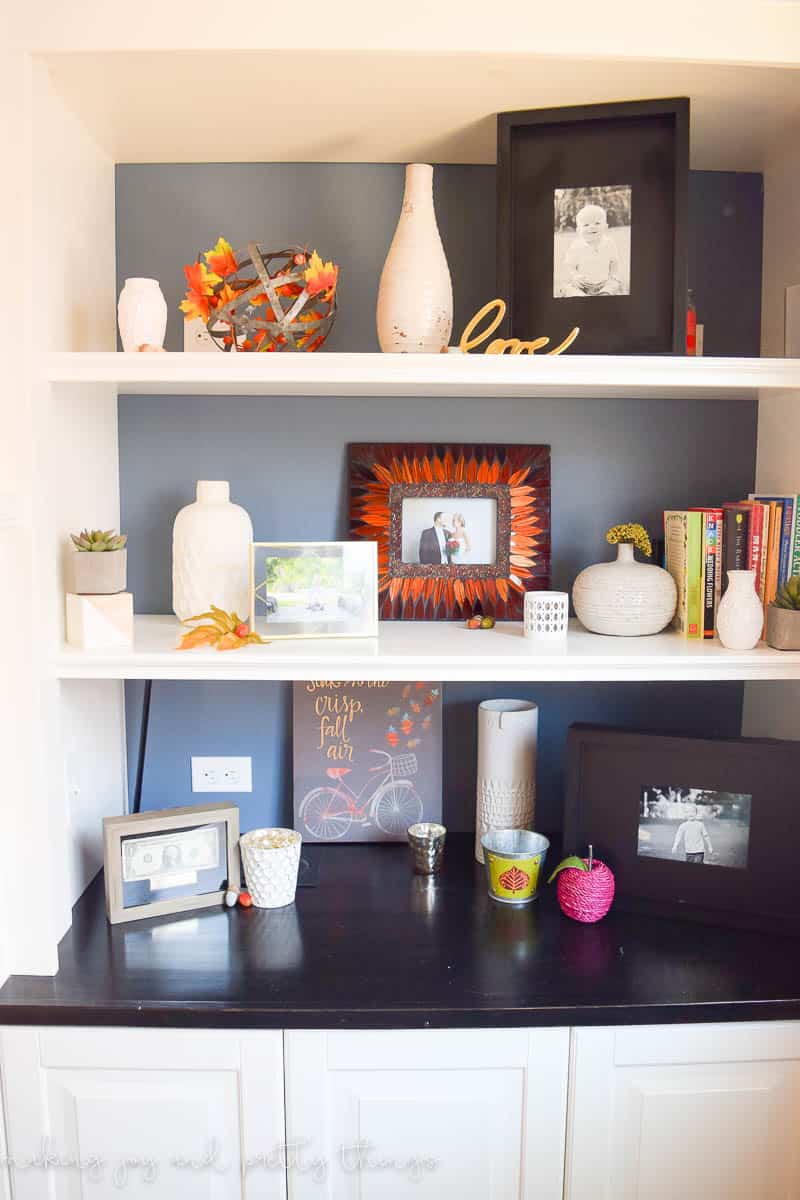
x=700, y=1112
x=167, y=1114
x=475, y=1114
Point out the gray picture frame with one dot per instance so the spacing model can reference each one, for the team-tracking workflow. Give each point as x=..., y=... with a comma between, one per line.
x=160, y=821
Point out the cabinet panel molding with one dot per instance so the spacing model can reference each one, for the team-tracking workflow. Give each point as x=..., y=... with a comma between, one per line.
x=469, y=1113
x=697, y=1115
x=164, y=1113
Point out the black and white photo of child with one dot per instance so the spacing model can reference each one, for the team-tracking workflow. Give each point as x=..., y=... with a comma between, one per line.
x=694, y=825
x=592, y=242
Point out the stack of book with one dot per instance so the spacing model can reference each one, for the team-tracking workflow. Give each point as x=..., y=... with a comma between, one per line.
x=760, y=534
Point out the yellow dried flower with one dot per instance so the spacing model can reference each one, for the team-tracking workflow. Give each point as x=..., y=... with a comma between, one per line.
x=635, y=534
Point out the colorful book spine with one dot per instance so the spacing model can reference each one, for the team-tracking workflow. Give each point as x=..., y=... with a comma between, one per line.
x=789, y=560
x=736, y=548
x=683, y=551
x=773, y=552
x=712, y=565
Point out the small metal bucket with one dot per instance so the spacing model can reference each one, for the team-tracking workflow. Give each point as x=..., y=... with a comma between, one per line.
x=514, y=861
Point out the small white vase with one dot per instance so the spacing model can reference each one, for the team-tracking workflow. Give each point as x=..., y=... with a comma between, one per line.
x=624, y=598
x=740, y=617
x=415, y=297
x=142, y=314
x=211, y=554
x=507, y=740
x=271, y=861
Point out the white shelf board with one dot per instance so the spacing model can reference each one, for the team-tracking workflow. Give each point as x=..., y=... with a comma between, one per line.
x=431, y=651
x=424, y=374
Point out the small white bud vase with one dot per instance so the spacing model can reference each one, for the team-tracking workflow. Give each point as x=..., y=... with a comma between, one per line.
x=624, y=598
x=508, y=734
x=141, y=314
x=415, y=297
x=740, y=617
x=211, y=554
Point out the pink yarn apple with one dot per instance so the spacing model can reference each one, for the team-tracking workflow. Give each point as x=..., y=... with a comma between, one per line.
x=585, y=888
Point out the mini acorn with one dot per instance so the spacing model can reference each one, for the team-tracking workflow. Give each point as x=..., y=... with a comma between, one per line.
x=487, y=623
x=245, y=900
x=473, y=622
x=231, y=898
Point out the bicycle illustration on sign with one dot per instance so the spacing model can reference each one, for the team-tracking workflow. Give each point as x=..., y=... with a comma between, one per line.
x=390, y=801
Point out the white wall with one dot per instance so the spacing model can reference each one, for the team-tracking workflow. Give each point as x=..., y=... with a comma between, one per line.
x=771, y=709
x=754, y=31
x=57, y=208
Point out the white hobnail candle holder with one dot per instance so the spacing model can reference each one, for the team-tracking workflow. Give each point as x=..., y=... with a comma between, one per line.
x=271, y=860
x=546, y=616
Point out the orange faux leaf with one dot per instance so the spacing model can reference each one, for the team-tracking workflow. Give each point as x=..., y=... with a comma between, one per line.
x=221, y=258
x=205, y=635
x=229, y=641
x=201, y=287
x=321, y=277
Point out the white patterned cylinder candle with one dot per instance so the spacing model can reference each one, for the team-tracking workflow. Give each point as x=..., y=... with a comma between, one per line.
x=271, y=861
x=546, y=616
x=507, y=740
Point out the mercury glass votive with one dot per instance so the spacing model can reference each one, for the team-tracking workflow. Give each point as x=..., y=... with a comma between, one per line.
x=426, y=840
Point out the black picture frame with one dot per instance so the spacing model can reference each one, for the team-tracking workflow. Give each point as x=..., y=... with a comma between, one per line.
x=641, y=147
x=607, y=770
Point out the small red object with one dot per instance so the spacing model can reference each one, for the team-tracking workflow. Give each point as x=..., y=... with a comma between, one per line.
x=241, y=630
x=473, y=623
x=245, y=900
x=586, y=896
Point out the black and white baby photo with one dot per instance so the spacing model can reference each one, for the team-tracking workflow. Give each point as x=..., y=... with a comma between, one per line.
x=592, y=242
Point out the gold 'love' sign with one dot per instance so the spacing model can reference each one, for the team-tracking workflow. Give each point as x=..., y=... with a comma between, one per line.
x=501, y=345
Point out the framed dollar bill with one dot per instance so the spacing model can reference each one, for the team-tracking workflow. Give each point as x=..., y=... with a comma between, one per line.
x=170, y=861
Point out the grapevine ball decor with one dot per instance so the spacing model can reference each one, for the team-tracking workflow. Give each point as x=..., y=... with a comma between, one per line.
x=585, y=888
x=262, y=300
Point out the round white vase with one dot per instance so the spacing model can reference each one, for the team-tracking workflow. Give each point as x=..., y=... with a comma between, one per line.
x=740, y=617
x=141, y=314
x=211, y=542
x=415, y=297
x=624, y=598
x=507, y=740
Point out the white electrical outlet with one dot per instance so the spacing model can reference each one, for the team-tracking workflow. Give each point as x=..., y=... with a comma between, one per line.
x=222, y=774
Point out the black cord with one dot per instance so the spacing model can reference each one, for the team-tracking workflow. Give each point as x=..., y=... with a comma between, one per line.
x=137, y=791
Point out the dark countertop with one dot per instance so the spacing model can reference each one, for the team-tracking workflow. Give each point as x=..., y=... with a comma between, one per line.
x=374, y=946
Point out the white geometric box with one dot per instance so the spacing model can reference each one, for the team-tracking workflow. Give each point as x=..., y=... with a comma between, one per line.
x=100, y=622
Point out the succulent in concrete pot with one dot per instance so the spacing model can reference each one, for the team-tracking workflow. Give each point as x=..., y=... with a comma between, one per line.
x=783, y=617
x=98, y=564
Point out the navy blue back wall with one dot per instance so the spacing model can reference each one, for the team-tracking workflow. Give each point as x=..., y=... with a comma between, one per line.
x=613, y=460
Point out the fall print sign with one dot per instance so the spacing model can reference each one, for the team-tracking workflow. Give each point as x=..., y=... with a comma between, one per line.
x=367, y=759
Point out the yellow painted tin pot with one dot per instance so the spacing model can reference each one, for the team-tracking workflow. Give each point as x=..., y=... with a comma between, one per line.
x=514, y=861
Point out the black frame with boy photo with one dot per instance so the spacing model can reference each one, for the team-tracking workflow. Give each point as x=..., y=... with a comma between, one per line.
x=696, y=828
x=592, y=213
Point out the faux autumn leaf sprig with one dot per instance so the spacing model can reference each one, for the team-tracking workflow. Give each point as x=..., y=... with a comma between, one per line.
x=636, y=535
x=226, y=631
x=215, y=283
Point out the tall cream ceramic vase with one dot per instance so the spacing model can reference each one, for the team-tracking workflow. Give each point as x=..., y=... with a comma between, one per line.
x=415, y=297
x=507, y=739
x=141, y=314
x=211, y=553
x=740, y=617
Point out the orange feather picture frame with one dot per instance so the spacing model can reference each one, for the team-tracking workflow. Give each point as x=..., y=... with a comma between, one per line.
x=461, y=530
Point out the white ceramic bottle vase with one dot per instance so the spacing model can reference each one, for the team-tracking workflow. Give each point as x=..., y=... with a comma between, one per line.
x=415, y=297
x=740, y=617
x=507, y=738
x=623, y=597
x=211, y=553
x=142, y=314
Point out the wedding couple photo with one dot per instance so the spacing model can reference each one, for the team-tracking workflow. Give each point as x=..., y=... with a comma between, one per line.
x=449, y=531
